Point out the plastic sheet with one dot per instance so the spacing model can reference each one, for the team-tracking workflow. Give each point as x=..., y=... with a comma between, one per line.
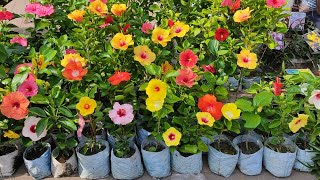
x=177, y=176
x=7, y=163
x=40, y=167
x=157, y=163
x=95, y=166
x=64, y=169
x=250, y=164
x=186, y=165
x=304, y=157
x=127, y=168
x=220, y=163
x=142, y=134
x=280, y=164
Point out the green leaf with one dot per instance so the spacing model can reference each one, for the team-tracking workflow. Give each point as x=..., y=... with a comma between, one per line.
x=171, y=74
x=154, y=7
x=252, y=120
x=50, y=55
x=171, y=98
x=222, y=52
x=143, y=86
x=188, y=148
x=306, y=76
x=3, y=73
x=274, y=124
x=65, y=111
x=202, y=146
x=221, y=92
x=213, y=46
x=68, y=124
x=41, y=126
x=3, y=54
x=37, y=111
x=18, y=79
x=262, y=99
x=190, y=100
x=228, y=124
x=244, y=105
x=119, y=97
x=153, y=69
x=55, y=91
x=72, y=143
x=39, y=99
x=42, y=25
x=93, y=91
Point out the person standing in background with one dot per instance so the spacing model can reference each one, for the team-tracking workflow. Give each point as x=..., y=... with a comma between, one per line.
x=312, y=8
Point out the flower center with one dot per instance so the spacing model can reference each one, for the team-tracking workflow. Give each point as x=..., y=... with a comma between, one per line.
x=160, y=38
x=122, y=43
x=205, y=120
x=229, y=114
x=298, y=122
x=178, y=30
x=33, y=128
x=28, y=89
x=75, y=73
x=143, y=55
x=318, y=96
x=86, y=106
x=16, y=105
x=121, y=112
x=275, y=1
x=246, y=60
x=157, y=89
x=172, y=136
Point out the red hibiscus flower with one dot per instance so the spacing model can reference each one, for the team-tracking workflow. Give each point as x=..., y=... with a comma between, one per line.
x=221, y=34
x=208, y=103
x=233, y=6
x=119, y=77
x=188, y=58
x=277, y=87
x=170, y=23
x=71, y=51
x=6, y=15
x=186, y=77
x=74, y=71
x=107, y=21
x=208, y=68
x=15, y=105
x=125, y=28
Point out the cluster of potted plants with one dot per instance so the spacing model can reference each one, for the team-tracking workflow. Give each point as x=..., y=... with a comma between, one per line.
x=98, y=81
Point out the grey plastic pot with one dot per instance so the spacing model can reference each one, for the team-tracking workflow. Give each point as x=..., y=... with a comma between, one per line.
x=41, y=167
x=157, y=164
x=250, y=164
x=186, y=165
x=112, y=140
x=142, y=134
x=279, y=164
x=304, y=159
x=7, y=162
x=68, y=168
x=96, y=166
x=127, y=168
x=221, y=163
x=102, y=136
x=247, y=82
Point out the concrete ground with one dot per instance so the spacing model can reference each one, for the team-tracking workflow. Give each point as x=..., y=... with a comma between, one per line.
x=17, y=6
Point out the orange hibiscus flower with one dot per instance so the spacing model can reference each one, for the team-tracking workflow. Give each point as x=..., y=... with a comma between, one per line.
x=15, y=106
x=74, y=71
x=208, y=103
x=119, y=77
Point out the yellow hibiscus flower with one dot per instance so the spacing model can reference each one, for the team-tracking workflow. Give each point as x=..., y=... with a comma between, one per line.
x=154, y=104
x=144, y=55
x=172, y=137
x=98, y=8
x=166, y=67
x=205, y=118
x=161, y=36
x=156, y=89
x=179, y=29
x=299, y=122
x=86, y=106
x=73, y=57
x=77, y=15
x=11, y=135
x=230, y=111
x=242, y=15
x=118, y=9
x=40, y=63
x=247, y=59
x=121, y=41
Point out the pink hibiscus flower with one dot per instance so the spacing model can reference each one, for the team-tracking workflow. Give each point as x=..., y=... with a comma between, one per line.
x=146, y=27
x=43, y=11
x=20, y=40
x=33, y=7
x=186, y=77
x=81, y=123
x=28, y=88
x=276, y=3
x=121, y=114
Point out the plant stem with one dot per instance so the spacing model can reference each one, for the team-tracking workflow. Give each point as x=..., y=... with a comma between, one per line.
x=240, y=82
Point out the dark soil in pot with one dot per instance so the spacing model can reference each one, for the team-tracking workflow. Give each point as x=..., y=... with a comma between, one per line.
x=85, y=150
x=36, y=152
x=302, y=144
x=4, y=150
x=154, y=147
x=185, y=154
x=248, y=147
x=63, y=157
x=224, y=147
x=279, y=148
